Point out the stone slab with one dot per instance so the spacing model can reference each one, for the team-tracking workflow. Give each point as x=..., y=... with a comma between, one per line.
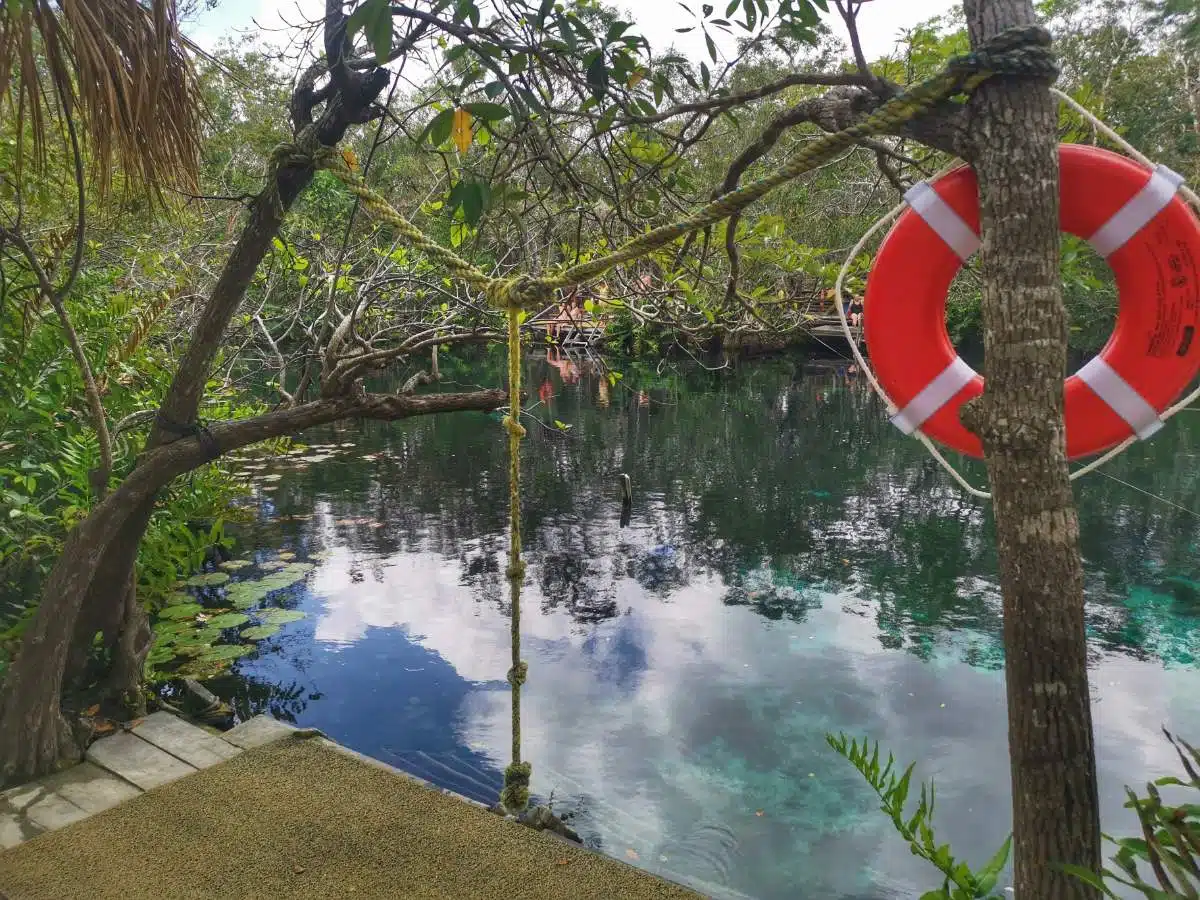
x=193, y=745
x=140, y=762
x=20, y=797
x=90, y=787
x=258, y=731
x=14, y=829
x=53, y=811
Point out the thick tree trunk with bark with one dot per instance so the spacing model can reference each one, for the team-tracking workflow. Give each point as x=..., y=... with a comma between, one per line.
x=1020, y=422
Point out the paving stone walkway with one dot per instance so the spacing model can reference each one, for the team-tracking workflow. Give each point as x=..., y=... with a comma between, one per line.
x=160, y=749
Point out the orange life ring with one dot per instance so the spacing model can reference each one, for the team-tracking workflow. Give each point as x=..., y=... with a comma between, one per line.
x=1130, y=216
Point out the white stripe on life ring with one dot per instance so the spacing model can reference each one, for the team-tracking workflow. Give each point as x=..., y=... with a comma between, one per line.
x=1120, y=395
x=941, y=217
x=934, y=396
x=1137, y=213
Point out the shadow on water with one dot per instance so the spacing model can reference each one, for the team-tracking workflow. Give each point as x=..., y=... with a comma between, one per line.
x=790, y=566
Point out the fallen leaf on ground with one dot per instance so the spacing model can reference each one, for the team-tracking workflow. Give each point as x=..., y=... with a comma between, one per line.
x=758, y=812
x=103, y=727
x=563, y=862
x=631, y=853
x=92, y=710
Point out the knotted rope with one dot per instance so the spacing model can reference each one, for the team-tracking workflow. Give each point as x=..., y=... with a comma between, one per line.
x=1019, y=51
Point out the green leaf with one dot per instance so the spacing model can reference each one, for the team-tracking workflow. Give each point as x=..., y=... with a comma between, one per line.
x=487, y=112
x=210, y=579
x=222, y=652
x=1085, y=875
x=374, y=19
x=227, y=620
x=258, y=632
x=182, y=611
x=988, y=874
x=597, y=76
x=438, y=129
x=277, y=616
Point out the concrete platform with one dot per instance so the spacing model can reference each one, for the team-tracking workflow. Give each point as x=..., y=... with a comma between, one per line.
x=157, y=751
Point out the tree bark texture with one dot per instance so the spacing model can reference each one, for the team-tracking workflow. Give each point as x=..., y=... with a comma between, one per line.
x=1019, y=419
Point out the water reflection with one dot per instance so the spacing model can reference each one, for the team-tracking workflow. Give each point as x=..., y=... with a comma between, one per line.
x=791, y=566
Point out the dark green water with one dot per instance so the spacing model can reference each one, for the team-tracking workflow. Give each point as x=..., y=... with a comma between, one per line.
x=793, y=566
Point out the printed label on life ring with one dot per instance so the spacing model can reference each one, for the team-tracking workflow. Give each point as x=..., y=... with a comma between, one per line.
x=1176, y=293
x=1131, y=217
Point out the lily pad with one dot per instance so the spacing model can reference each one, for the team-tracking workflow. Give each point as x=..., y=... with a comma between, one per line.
x=275, y=477
x=160, y=655
x=273, y=565
x=178, y=597
x=220, y=652
x=244, y=594
x=202, y=636
x=233, y=565
x=173, y=628
x=229, y=620
x=210, y=579
x=190, y=651
x=202, y=669
x=276, y=616
x=180, y=611
x=286, y=554
x=258, y=632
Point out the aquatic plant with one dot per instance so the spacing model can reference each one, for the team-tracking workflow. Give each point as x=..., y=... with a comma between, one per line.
x=188, y=636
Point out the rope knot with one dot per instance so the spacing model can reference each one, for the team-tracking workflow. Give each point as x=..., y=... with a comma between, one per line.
x=518, y=673
x=289, y=154
x=512, y=426
x=515, y=795
x=1024, y=50
x=517, y=293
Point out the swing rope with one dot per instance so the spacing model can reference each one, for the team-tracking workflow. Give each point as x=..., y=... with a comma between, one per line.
x=894, y=214
x=1023, y=51
x=517, y=775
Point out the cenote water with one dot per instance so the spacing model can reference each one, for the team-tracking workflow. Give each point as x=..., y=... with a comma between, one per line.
x=793, y=566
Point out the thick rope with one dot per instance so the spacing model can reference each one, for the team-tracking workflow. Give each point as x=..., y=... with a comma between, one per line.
x=515, y=795
x=895, y=212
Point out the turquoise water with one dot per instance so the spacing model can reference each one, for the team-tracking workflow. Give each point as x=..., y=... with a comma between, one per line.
x=793, y=566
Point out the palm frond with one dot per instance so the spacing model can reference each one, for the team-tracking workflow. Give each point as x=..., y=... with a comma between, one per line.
x=119, y=69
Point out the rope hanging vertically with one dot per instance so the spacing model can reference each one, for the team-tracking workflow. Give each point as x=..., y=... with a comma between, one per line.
x=1018, y=51
x=515, y=795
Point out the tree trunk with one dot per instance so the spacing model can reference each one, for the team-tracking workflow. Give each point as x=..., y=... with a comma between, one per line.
x=1020, y=422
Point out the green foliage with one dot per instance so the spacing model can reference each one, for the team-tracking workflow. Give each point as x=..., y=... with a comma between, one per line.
x=1170, y=843
x=959, y=881
x=1168, y=849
